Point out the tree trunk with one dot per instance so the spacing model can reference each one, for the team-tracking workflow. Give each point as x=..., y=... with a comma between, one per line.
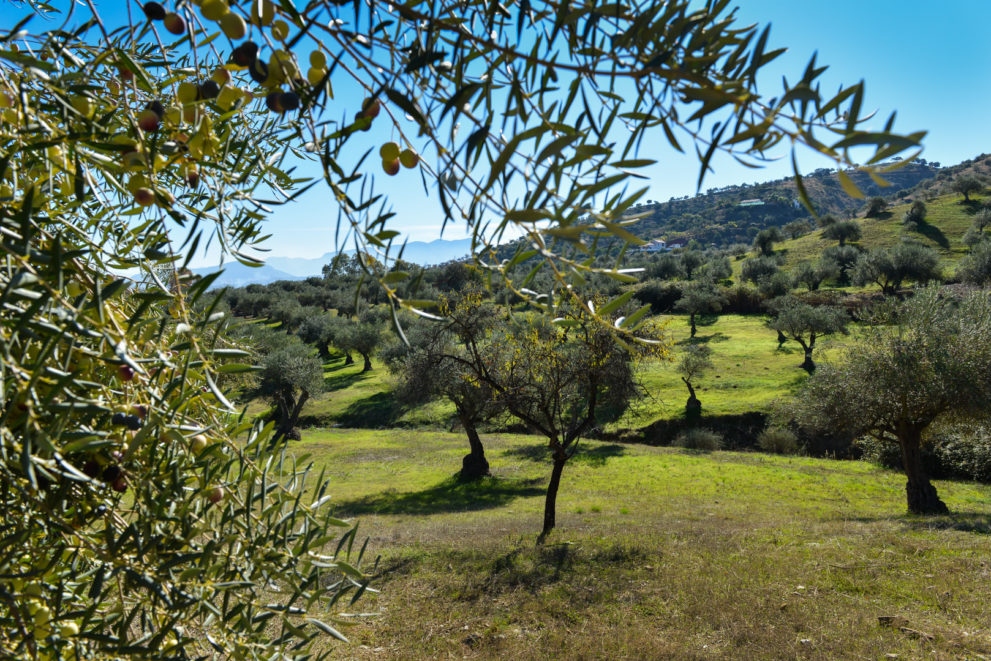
x=368, y=363
x=693, y=407
x=808, y=365
x=474, y=466
x=782, y=338
x=348, y=359
x=921, y=494
x=691, y=316
x=550, y=503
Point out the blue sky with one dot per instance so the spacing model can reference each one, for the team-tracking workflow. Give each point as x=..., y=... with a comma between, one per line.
x=929, y=61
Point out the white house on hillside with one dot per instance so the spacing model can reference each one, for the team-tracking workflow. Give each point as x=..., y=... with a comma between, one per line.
x=657, y=245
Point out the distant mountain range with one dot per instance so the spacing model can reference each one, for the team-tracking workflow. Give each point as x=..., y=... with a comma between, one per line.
x=425, y=253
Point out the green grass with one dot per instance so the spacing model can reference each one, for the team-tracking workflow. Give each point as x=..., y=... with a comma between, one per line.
x=659, y=553
x=947, y=219
x=749, y=371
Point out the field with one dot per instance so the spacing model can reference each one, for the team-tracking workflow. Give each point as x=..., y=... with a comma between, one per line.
x=659, y=553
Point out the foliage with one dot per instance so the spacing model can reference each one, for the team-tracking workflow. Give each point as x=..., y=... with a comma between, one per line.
x=932, y=364
x=975, y=268
x=700, y=297
x=841, y=259
x=805, y=324
x=290, y=375
x=765, y=240
x=659, y=295
x=916, y=213
x=758, y=269
x=842, y=231
x=702, y=440
x=875, y=206
x=890, y=267
x=967, y=185
x=778, y=440
x=812, y=275
x=797, y=228
x=129, y=142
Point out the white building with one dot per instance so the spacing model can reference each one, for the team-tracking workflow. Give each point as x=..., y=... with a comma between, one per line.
x=657, y=245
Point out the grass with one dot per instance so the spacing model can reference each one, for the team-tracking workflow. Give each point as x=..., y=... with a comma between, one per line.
x=947, y=219
x=659, y=553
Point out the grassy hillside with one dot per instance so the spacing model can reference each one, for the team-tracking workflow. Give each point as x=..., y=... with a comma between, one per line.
x=947, y=219
x=659, y=553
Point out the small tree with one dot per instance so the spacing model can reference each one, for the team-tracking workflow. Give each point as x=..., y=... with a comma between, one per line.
x=805, y=324
x=875, y=207
x=843, y=258
x=931, y=364
x=363, y=336
x=757, y=269
x=690, y=261
x=290, y=375
x=701, y=297
x=890, y=267
x=916, y=214
x=717, y=268
x=797, y=228
x=695, y=360
x=765, y=240
x=827, y=220
x=967, y=185
x=843, y=231
x=318, y=330
x=812, y=275
x=975, y=268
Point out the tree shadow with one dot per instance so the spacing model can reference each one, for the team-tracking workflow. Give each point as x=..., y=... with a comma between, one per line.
x=703, y=339
x=933, y=233
x=333, y=382
x=706, y=319
x=375, y=412
x=451, y=495
x=974, y=522
x=592, y=456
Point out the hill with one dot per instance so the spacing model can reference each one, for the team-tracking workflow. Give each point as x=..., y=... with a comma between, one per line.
x=424, y=253
x=236, y=274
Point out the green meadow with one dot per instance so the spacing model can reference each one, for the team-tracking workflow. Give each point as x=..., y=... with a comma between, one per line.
x=658, y=553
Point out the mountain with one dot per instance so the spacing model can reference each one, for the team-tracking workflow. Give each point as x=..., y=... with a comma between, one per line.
x=424, y=253
x=238, y=275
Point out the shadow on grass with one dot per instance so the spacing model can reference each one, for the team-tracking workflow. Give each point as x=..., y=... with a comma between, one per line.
x=332, y=382
x=451, y=495
x=375, y=412
x=963, y=521
x=704, y=339
x=596, y=456
x=933, y=233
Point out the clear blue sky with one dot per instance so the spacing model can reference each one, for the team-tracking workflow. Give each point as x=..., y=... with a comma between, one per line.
x=929, y=61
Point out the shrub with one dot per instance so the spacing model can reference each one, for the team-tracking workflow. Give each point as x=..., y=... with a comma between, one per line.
x=743, y=300
x=778, y=440
x=704, y=440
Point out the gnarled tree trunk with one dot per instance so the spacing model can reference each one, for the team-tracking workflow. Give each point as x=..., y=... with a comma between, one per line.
x=474, y=466
x=921, y=494
x=368, y=363
x=693, y=407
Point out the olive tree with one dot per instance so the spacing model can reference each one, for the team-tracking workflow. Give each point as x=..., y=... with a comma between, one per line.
x=842, y=231
x=932, y=362
x=806, y=323
x=890, y=267
x=967, y=185
x=700, y=297
x=694, y=361
x=765, y=240
x=130, y=140
x=290, y=375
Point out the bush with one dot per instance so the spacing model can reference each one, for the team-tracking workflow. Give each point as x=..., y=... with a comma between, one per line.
x=778, y=440
x=743, y=300
x=704, y=440
x=660, y=296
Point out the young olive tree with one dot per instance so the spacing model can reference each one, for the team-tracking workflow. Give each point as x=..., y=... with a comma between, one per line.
x=700, y=297
x=129, y=140
x=932, y=363
x=806, y=323
x=695, y=360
